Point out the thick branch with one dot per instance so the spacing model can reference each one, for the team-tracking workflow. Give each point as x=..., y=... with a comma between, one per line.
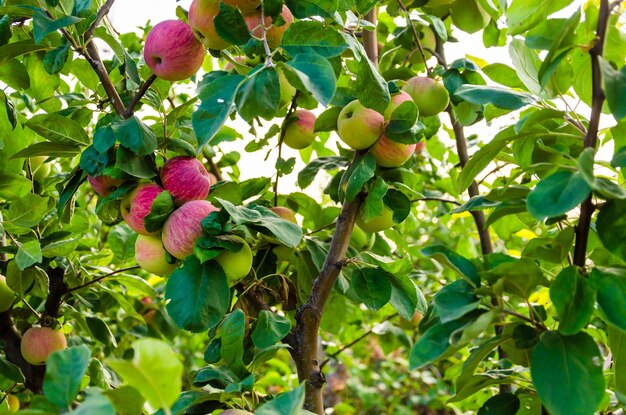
x=370, y=39
x=591, y=139
x=93, y=57
x=11, y=340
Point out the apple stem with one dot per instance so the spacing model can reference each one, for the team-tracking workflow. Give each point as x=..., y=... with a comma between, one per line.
x=102, y=12
x=415, y=35
x=266, y=46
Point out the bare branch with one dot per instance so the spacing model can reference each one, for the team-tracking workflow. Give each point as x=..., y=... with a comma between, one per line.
x=104, y=10
x=142, y=91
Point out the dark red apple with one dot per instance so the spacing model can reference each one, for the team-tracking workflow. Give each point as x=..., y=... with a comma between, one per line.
x=186, y=179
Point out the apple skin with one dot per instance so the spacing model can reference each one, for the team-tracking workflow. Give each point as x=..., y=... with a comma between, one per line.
x=14, y=403
x=359, y=239
x=186, y=179
x=389, y=153
x=469, y=16
x=359, y=127
x=40, y=342
x=39, y=169
x=299, y=134
x=104, y=184
x=151, y=255
x=287, y=91
x=395, y=102
x=6, y=295
x=246, y=6
x=430, y=96
x=236, y=265
x=212, y=179
x=235, y=412
x=285, y=213
x=184, y=226
x=377, y=224
x=172, y=51
x=273, y=34
x=201, y=15
x=136, y=205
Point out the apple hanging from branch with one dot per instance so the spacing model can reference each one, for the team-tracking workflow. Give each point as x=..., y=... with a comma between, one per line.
x=184, y=226
x=186, y=179
x=38, y=343
x=151, y=256
x=136, y=205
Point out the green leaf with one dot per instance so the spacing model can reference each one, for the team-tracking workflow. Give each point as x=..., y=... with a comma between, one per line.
x=455, y=300
x=289, y=403
x=614, y=88
x=155, y=371
x=11, y=371
x=64, y=373
x=525, y=14
x=54, y=127
x=567, y=372
x=28, y=254
x=399, y=203
x=14, y=186
x=610, y=224
x=503, y=74
x=5, y=30
x=359, y=174
x=233, y=330
x=307, y=174
x=198, y=295
x=617, y=342
x=432, y=344
x=230, y=25
x=14, y=74
x=404, y=294
x=327, y=120
x=458, y=263
x=270, y=329
x=559, y=49
x=557, y=194
x=403, y=118
x=217, y=96
x=44, y=25
x=54, y=60
x=135, y=135
x=374, y=205
x=17, y=49
x=501, y=404
x=610, y=284
x=95, y=403
x=371, y=88
x=316, y=75
x=29, y=210
x=498, y=96
x=51, y=149
x=573, y=299
x=259, y=94
x=372, y=287
x=310, y=36
x=160, y=210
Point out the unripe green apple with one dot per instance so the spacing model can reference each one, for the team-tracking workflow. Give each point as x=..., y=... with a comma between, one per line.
x=377, y=224
x=6, y=295
x=359, y=127
x=39, y=169
x=469, y=16
x=151, y=256
x=246, y=6
x=283, y=252
x=389, y=153
x=359, y=238
x=287, y=91
x=273, y=34
x=201, y=15
x=300, y=134
x=430, y=96
x=395, y=102
x=38, y=343
x=236, y=265
x=14, y=403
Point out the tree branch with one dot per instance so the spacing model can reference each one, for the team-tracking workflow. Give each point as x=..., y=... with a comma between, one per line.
x=142, y=91
x=415, y=35
x=591, y=139
x=104, y=10
x=100, y=278
x=93, y=57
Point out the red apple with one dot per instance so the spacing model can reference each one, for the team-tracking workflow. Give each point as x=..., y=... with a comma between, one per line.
x=358, y=126
x=285, y=213
x=300, y=134
x=151, y=255
x=395, y=102
x=40, y=342
x=172, y=51
x=201, y=15
x=389, y=153
x=136, y=205
x=186, y=179
x=246, y=6
x=430, y=96
x=104, y=184
x=184, y=226
x=273, y=34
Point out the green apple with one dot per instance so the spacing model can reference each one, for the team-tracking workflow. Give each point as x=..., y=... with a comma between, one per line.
x=469, y=16
x=300, y=133
x=359, y=127
x=39, y=169
x=359, y=239
x=287, y=91
x=7, y=295
x=14, y=403
x=377, y=224
x=38, y=343
x=395, y=102
x=430, y=96
x=236, y=265
x=151, y=256
x=201, y=16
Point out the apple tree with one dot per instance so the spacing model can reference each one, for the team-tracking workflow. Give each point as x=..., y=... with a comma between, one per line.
x=454, y=244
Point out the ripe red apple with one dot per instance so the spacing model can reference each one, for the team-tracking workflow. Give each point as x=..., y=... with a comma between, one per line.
x=184, y=226
x=151, y=255
x=186, y=179
x=40, y=342
x=172, y=51
x=136, y=205
x=377, y=224
x=430, y=96
x=273, y=34
x=359, y=127
x=236, y=265
x=201, y=15
x=246, y=6
x=395, y=102
x=299, y=134
x=6, y=295
x=104, y=184
x=389, y=153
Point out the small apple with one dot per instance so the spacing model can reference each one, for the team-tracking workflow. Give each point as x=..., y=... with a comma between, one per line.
x=246, y=6
x=285, y=213
x=40, y=342
x=299, y=134
x=389, y=153
x=186, y=179
x=39, y=168
x=172, y=51
x=469, y=16
x=359, y=127
x=104, y=184
x=6, y=295
x=430, y=96
x=236, y=265
x=287, y=91
x=201, y=15
x=395, y=102
x=151, y=255
x=212, y=179
x=136, y=205
x=273, y=34
x=14, y=403
x=283, y=252
x=184, y=226
x=150, y=317
x=377, y=224
x=359, y=239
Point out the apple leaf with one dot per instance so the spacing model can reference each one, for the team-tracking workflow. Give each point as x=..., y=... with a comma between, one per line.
x=433, y=343
x=371, y=88
x=557, y=194
x=135, y=135
x=230, y=25
x=500, y=97
x=315, y=74
x=93, y=162
x=329, y=163
x=399, y=203
x=614, y=88
x=54, y=127
x=64, y=372
x=270, y=329
x=501, y=404
x=358, y=174
x=610, y=284
x=403, y=118
x=327, y=120
x=44, y=25
x=28, y=254
x=373, y=205
x=286, y=403
x=372, y=288
x=160, y=210
x=210, y=247
x=310, y=36
x=458, y=263
x=259, y=94
x=573, y=299
x=455, y=300
x=233, y=329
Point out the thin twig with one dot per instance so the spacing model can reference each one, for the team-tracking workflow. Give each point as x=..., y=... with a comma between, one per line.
x=104, y=10
x=415, y=35
x=436, y=199
x=142, y=91
x=100, y=278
